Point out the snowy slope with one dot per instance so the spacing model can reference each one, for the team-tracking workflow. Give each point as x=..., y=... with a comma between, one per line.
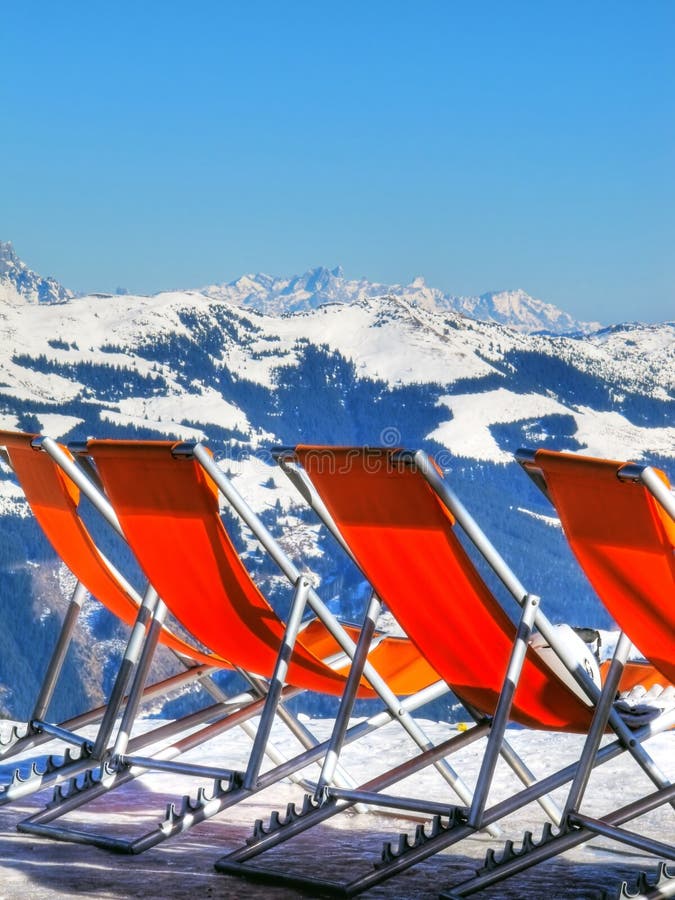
x=388, y=339
x=19, y=284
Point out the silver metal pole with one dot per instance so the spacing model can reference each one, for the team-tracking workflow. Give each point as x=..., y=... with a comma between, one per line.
x=647, y=845
x=349, y=695
x=131, y=656
x=528, y=778
x=277, y=682
x=469, y=525
x=302, y=734
x=565, y=841
x=648, y=477
x=68, y=737
x=503, y=711
x=86, y=485
x=59, y=654
x=311, y=496
x=598, y=725
x=138, y=683
x=92, y=716
x=374, y=786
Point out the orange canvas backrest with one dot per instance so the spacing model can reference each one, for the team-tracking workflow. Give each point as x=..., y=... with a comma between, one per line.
x=402, y=538
x=625, y=543
x=53, y=499
x=169, y=513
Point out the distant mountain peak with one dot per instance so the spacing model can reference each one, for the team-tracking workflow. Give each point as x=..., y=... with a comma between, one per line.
x=281, y=296
x=316, y=287
x=530, y=314
x=19, y=284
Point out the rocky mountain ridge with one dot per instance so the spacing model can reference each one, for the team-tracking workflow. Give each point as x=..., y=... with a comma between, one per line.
x=275, y=296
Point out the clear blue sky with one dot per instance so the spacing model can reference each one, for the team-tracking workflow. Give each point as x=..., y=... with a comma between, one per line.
x=483, y=145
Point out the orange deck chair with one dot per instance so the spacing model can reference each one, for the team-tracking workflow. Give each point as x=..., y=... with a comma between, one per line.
x=53, y=498
x=624, y=539
x=619, y=519
x=167, y=505
x=397, y=516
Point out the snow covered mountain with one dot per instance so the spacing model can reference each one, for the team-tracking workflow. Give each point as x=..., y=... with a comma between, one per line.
x=274, y=296
x=377, y=368
x=19, y=284
x=158, y=363
x=277, y=296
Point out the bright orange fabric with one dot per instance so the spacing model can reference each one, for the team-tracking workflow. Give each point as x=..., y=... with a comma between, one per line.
x=634, y=674
x=625, y=543
x=169, y=514
x=396, y=659
x=403, y=540
x=53, y=498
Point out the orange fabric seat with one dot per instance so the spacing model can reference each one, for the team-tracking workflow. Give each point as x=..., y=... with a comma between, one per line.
x=53, y=499
x=168, y=509
x=635, y=674
x=402, y=538
x=624, y=541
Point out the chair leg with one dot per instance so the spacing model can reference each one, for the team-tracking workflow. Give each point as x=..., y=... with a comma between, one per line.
x=503, y=710
x=277, y=682
x=349, y=695
x=59, y=655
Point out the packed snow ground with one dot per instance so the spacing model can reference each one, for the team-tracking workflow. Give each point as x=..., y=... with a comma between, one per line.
x=183, y=867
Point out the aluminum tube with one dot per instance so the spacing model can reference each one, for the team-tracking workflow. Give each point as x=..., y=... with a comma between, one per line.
x=528, y=778
x=250, y=731
x=277, y=682
x=598, y=725
x=138, y=683
x=309, y=493
x=193, y=740
x=272, y=776
x=469, y=525
x=349, y=695
x=409, y=804
x=129, y=661
x=92, y=716
x=55, y=731
x=658, y=489
x=150, y=763
x=74, y=836
x=648, y=477
x=375, y=785
x=59, y=654
x=503, y=711
x=274, y=755
x=501, y=569
x=597, y=826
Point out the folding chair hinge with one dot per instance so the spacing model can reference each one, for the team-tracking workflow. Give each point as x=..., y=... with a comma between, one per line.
x=184, y=450
x=236, y=780
x=323, y=796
